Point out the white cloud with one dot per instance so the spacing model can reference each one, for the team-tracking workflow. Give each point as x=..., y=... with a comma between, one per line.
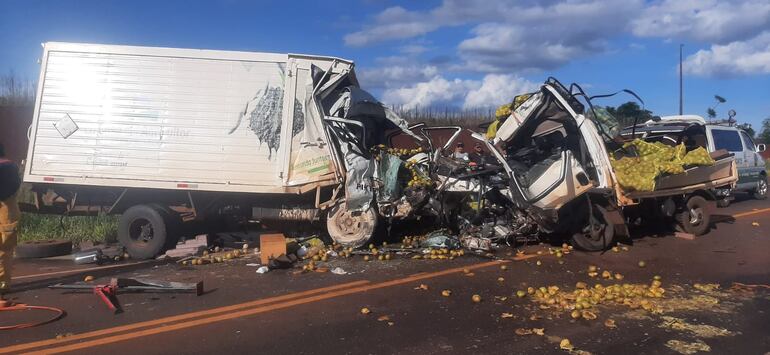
x=715, y=21
x=510, y=35
x=497, y=89
x=732, y=59
x=492, y=90
x=436, y=91
x=396, y=75
x=393, y=23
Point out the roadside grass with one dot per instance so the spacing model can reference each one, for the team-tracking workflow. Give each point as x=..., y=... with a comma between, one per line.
x=75, y=228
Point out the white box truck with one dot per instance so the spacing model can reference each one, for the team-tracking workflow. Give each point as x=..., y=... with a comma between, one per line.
x=166, y=135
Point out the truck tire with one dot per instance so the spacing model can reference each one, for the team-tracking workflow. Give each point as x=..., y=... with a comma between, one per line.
x=760, y=193
x=596, y=236
x=696, y=217
x=43, y=248
x=142, y=230
x=351, y=229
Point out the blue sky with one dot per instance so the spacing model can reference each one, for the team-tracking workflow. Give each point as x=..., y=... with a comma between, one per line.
x=461, y=53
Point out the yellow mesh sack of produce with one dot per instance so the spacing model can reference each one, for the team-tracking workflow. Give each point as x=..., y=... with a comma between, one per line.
x=639, y=173
x=698, y=156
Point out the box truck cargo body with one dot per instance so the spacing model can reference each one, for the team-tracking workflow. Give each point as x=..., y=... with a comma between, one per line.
x=164, y=134
x=173, y=118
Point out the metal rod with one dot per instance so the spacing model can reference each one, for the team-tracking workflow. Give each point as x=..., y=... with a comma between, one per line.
x=681, y=101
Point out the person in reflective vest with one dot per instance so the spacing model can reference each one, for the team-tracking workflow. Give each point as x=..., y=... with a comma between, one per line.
x=9, y=217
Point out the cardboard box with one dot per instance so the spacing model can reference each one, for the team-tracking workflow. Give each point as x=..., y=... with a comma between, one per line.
x=271, y=246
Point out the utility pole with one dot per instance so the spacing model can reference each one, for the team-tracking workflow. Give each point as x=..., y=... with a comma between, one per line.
x=681, y=105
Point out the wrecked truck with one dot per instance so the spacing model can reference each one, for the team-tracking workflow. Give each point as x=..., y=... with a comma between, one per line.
x=556, y=174
x=177, y=141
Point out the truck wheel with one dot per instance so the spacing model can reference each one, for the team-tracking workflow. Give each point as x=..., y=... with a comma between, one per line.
x=597, y=234
x=760, y=193
x=351, y=229
x=142, y=231
x=695, y=219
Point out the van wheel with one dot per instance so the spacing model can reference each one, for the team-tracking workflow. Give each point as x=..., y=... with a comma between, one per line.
x=351, y=229
x=597, y=234
x=760, y=193
x=695, y=219
x=142, y=230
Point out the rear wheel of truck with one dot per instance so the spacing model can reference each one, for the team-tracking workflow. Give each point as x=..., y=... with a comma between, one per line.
x=143, y=231
x=760, y=192
x=597, y=234
x=351, y=229
x=695, y=219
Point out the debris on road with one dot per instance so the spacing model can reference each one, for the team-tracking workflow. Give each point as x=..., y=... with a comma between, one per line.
x=262, y=270
x=685, y=236
x=339, y=271
x=365, y=311
x=108, y=293
x=189, y=247
x=687, y=348
x=699, y=330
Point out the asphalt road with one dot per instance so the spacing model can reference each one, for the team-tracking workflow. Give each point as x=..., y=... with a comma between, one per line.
x=285, y=312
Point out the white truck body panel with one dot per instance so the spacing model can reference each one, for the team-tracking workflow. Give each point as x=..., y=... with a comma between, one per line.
x=171, y=118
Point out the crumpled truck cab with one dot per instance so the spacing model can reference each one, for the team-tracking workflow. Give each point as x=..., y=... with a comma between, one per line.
x=555, y=153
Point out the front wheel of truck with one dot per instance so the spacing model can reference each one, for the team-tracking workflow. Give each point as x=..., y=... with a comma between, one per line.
x=143, y=231
x=695, y=218
x=351, y=229
x=597, y=234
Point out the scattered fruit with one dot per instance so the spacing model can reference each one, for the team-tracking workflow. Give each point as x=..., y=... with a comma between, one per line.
x=538, y=263
x=503, y=267
x=506, y=315
x=365, y=310
x=610, y=323
x=588, y=315
x=88, y=278
x=521, y=293
x=423, y=287
x=446, y=293
x=476, y=298
x=642, y=263
x=565, y=344
x=500, y=279
x=366, y=257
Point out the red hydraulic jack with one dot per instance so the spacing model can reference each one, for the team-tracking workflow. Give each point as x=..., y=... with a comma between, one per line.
x=108, y=294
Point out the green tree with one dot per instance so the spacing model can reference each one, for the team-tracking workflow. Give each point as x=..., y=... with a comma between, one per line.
x=712, y=111
x=627, y=112
x=764, y=134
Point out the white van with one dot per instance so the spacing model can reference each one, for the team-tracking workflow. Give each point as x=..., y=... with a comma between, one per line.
x=696, y=131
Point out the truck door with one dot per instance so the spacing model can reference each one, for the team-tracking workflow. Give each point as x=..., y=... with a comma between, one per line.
x=754, y=162
x=729, y=139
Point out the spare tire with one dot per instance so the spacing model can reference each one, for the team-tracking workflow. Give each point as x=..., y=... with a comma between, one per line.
x=43, y=248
